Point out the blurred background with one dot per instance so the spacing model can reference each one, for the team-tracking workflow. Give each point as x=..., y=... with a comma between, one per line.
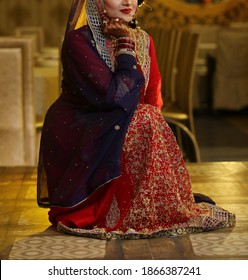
x=202, y=49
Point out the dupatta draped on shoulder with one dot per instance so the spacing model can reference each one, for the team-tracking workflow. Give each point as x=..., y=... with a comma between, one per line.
x=84, y=130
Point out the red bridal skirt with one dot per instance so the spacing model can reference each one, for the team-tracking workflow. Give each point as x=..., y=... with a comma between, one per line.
x=152, y=197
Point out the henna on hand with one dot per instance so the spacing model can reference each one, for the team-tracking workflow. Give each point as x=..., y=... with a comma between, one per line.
x=115, y=27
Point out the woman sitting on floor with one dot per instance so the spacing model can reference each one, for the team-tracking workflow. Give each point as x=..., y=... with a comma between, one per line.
x=109, y=164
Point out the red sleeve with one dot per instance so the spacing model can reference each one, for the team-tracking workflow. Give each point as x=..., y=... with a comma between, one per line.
x=153, y=94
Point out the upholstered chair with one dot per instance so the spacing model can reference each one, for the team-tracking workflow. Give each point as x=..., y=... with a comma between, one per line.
x=17, y=114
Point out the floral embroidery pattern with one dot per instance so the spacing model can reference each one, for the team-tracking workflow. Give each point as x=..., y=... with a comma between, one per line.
x=162, y=187
x=113, y=215
x=162, y=203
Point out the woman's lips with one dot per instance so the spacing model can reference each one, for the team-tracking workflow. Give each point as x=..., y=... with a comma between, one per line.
x=126, y=11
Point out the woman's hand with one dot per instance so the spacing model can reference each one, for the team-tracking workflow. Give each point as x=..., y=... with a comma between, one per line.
x=115, y=27
x=118, y=29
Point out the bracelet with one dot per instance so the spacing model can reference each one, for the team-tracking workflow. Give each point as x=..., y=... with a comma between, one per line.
x=125, y=46
x=126, y=51
x=121, y=41
x=125, y=40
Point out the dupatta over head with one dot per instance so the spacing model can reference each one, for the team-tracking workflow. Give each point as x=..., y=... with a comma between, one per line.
x=89, y=12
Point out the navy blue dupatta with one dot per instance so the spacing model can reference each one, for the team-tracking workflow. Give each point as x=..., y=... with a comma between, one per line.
x=84, y=130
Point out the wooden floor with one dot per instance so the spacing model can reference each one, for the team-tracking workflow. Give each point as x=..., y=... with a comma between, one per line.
x=26, y=233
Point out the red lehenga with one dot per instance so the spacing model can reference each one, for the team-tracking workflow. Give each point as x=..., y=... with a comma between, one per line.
x=79, y=177
x=152, y=198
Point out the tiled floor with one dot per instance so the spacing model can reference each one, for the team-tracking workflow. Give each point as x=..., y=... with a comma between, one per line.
x=26, y=233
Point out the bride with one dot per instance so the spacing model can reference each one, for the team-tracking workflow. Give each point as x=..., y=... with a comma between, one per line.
x=109, y=164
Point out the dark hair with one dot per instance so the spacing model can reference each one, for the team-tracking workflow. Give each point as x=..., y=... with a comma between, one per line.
x=140, y=2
